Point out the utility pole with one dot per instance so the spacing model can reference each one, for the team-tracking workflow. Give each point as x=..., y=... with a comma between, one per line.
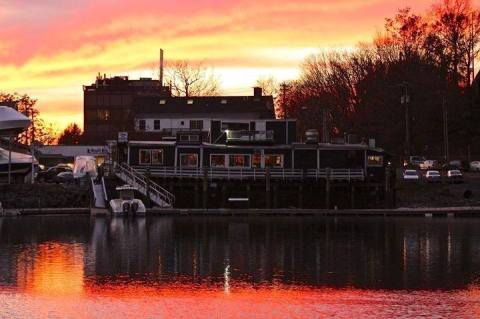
x=445, y=130
x=405, y=100
x=284, y=88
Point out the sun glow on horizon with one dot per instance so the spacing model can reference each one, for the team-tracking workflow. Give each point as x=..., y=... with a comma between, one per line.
x=49, y=50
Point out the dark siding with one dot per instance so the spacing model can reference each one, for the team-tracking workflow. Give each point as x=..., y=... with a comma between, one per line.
x=305, y=159
x=342, y=158
x=216, y=132
x=292, y=132
x=278, y=129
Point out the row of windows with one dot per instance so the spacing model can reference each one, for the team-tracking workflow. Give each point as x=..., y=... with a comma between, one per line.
x=193, y=125
x=155, y=157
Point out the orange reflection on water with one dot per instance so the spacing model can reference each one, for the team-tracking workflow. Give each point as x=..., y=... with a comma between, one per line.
x=51, y=269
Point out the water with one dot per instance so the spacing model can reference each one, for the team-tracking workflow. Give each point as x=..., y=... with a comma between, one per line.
x=80, y=267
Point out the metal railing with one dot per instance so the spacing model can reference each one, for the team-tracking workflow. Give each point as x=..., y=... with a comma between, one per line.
x=147, y=187
x=249, y=136
x=256, y=173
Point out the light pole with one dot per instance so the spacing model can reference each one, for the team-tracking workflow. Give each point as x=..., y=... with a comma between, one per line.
x=405, y=100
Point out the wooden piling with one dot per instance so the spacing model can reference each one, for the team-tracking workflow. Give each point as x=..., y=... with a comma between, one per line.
x=267, y=188
x=388, y=194
x=327, y=188
x=205, y=188
x=352, y=196
x=300, y=195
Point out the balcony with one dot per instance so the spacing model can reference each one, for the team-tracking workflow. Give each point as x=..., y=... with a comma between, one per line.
x=249, y=137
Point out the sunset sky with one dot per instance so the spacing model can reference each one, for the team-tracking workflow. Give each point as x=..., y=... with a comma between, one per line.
x=50, y=48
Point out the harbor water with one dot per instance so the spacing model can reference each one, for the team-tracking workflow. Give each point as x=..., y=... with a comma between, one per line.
x=239, y=267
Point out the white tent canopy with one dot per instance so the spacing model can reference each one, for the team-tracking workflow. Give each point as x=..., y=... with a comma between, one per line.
x=17, y=158
x=12, y=122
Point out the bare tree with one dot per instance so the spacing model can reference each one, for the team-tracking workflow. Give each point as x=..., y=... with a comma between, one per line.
x=192, y=79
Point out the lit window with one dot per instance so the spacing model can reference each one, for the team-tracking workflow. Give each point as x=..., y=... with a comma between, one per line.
x=190, y=101
x=151, y=157
x=103, y=114
x=196, y=124
x=163, y=102
x=217, y=160
x=156, y=125
x=274, y=161
x=223, y=101
x=142, y=124
x=157, y=157
x=375, y=161
x=239, y=160
x=257, y=161
x=144, y=157
x=189, y=160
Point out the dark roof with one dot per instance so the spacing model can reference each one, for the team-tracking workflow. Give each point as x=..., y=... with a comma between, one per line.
x=262, y=106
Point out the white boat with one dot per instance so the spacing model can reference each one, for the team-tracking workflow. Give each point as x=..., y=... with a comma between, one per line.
x=84, y=165
x=12, y=122
x=20, y=164
x=127, y=204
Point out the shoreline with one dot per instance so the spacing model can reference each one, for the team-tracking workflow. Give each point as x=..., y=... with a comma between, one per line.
x=471, y=211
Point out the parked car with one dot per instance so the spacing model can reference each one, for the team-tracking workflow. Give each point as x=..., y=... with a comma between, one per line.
x=456, y=165
x=410, y=175
x=454, y=175
x=475, y=166
x=64, y=177
x=415, y=161
x=428, y=164
x=433, y=177
x=50, y=174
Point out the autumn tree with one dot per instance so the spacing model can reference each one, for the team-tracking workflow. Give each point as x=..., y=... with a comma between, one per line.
x=39, y=131
x=192, y=79
x=71, y=135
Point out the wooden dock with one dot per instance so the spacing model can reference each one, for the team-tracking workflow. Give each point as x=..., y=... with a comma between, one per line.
x=471, y=211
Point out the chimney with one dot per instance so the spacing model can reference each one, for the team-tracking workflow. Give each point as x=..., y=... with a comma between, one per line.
x=257, y=91
x=161, y=68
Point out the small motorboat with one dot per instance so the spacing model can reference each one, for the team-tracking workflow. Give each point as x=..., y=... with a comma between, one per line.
x=127, y=204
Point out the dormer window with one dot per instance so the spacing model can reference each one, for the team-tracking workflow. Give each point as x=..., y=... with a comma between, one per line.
x=223, y=101
x=190, y=101
x=163, y=102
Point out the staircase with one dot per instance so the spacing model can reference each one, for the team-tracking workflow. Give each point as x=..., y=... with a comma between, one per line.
x=99, y=193
x=157, y=194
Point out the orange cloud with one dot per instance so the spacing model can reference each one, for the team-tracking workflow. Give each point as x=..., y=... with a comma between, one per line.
x=50, y=48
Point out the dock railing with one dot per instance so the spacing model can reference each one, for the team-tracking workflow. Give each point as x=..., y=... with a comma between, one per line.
x=255, y=173
x=146, y=186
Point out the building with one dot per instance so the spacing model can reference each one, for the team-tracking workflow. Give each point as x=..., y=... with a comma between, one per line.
x=51, y=155
x=145, y=110
x=108, y=104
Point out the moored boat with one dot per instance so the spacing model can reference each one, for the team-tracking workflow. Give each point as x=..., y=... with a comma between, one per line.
x=127, y=204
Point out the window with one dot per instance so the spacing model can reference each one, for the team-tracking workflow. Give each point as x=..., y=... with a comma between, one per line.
x=273, y=160
x=190, y=101
x=142, y=125
x=189, y=138
x=103, y=114
x=156, y=125
x=144, y=157
x=239, y=160
x=151, y=157
x=196, y=124
x=157, y=157
x=235, y=126
x=257, y=160
x=163, y=102
x=375, y=161
x=223, y=101
x=218, y=160
x=189, y=160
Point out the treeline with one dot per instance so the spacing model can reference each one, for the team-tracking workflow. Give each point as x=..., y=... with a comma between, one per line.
x=428, y=57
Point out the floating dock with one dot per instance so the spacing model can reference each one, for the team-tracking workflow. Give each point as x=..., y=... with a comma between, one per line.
x=470, y=211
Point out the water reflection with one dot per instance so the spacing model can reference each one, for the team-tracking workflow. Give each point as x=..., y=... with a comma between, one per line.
x=307, y=264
